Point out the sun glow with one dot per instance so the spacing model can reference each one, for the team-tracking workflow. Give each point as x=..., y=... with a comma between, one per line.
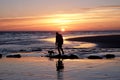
x=61, y=21
x=63, y=29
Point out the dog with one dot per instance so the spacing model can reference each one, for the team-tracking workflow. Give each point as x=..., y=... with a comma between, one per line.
x=51, y=53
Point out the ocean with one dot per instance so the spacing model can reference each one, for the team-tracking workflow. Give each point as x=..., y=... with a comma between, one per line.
x=42, y=41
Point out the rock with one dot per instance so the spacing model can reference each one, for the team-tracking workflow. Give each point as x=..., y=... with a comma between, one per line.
x=14, y=56
x=65, y=57
x=22, y=50
x=109, y=56
x=36, y=49
x=73, y=56
x=94, y=57
x=0, y=55
x=59, y=56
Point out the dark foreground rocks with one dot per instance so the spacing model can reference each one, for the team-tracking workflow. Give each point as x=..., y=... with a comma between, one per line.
x=71, y=56
x=74, y=56
x=0, y=55
x=109, y=56
x=14, y=56
x=94, y=57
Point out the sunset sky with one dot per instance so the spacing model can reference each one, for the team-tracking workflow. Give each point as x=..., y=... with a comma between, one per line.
x=49, y=15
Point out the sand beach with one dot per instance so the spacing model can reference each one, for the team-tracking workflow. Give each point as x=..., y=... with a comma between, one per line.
x=103, y=41
x=39, y=68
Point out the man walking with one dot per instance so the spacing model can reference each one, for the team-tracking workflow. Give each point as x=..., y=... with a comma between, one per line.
x=59, y=43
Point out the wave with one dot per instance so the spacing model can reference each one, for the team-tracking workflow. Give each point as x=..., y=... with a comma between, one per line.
x=21, y=42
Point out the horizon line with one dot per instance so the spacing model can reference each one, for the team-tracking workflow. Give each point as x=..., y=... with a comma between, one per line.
x=57, y=31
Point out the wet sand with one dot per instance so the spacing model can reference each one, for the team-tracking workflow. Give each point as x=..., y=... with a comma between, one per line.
x=103, y=41
x=40, y=68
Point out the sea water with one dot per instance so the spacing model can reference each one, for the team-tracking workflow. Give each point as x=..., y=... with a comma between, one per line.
x=42, y=41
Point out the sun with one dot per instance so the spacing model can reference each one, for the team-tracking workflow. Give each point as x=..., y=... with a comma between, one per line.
x=63, y=29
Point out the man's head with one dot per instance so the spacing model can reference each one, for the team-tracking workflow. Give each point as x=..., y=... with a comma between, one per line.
x=57, y=33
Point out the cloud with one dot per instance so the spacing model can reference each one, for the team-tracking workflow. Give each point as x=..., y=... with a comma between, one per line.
x=103, y=15
x=113, y=10
x=21, y=18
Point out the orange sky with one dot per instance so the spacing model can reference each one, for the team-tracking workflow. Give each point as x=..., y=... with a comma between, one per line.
x=80, y=19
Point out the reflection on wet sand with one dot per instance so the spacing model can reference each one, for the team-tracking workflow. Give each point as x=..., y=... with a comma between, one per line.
x=60, y=69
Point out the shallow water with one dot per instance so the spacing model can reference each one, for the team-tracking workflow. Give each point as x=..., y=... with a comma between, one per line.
x=19, y=42
x=38, y=68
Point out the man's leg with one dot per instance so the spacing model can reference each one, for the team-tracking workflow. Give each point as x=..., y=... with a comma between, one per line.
x=59, y=51
x=62, y=50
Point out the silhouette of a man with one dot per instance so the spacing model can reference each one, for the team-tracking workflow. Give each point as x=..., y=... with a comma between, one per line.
x=59, y=43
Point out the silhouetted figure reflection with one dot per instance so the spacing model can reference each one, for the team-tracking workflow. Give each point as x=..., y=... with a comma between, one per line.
x=59, y=69
x=59, y=43
x=59, y=65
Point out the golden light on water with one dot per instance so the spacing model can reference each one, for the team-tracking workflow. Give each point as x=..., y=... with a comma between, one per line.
x=73, y=43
